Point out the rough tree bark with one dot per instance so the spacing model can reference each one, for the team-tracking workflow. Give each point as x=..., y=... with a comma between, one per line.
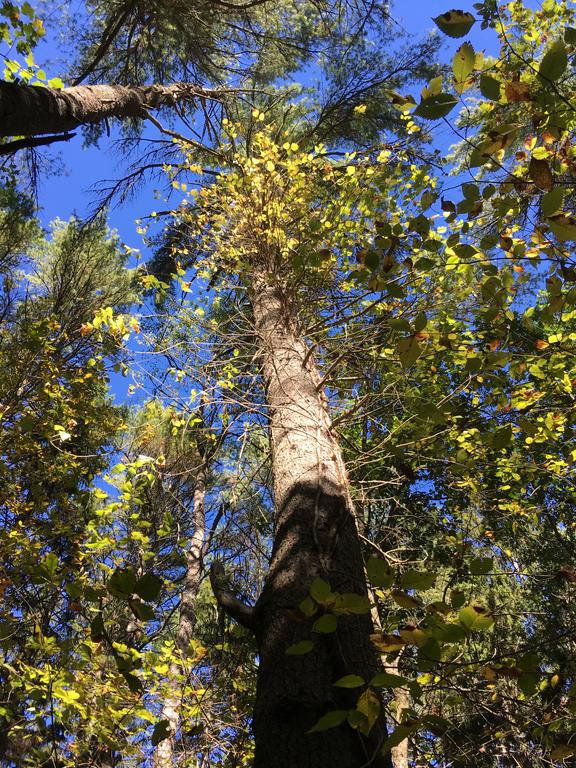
x=315, y=535
x=31, y=111
x=164, y=754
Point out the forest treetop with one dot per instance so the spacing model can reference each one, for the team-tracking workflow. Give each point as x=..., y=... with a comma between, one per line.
x=333, y=522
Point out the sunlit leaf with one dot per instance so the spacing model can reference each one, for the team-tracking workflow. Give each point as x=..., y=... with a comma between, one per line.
x=366, y=713
x=455, y=23
x=476, y=617
x=405, y=600
x=387, y=643
x=463, y=65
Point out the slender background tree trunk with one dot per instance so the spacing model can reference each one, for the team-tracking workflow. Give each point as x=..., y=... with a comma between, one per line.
x=315, y=535
x=400, y=695
x=164, y=754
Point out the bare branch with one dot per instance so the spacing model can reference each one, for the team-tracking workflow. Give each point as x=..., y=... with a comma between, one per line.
x=236, y=609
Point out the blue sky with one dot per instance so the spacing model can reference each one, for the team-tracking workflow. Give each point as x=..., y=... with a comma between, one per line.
x=70, y=192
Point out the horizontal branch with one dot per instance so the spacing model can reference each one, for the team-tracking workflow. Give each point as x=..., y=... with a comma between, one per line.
x=31, y=142
x=236, y=609
x=34, y=110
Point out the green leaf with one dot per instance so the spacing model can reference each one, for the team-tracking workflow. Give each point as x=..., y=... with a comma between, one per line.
x=387, y=680
x=161, y=731
x=462, y=65
x=350, y=681
x=320, y=590
x=143, y=612
x=430, y=651
x=570, y=35
x=419, y=580
x=134, y=683
x=404, y=600
x=552, y=201
x=308, y=607
x=414, y=635
x=438, y=725
x=55, y=82
x=420, y=322
x=351, y=602
x=325, y=624
x=366, y=712
x=457, y=599
x=480, y=566
x=528, y=683
x=74, y=589
x=424, y=264
x=563, y=226
x=330, y=720
x=387, y=643
x=148, y=586
x=435, y=107
x=433, y=88
x=399, y=324
x=122, y=582
x=299, y=649
x=97, y=628
x=409, y=351
x=50, y=564
x=502, y=437
x=93, y=595
x=448, y=632
x=398, y=735
x=421, y=225
x=455, y=23
x=554, y=62
x=372, y=260
x=490, y=87
x=475, y=617
x=470, y=192
x=379, y=572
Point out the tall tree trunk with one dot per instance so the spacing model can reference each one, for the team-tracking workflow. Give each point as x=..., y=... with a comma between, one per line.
x=315, y=536
x=164, y=754
x=31, y=111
